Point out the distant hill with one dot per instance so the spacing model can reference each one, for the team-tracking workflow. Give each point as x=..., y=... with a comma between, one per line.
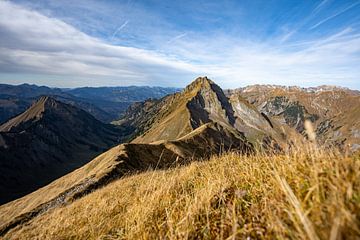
x=28, y=91
x=121, y=94
x=115, y=100
x=104, y=103
x=46, y=141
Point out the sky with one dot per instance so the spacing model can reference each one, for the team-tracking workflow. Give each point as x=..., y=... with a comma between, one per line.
x=169, y=43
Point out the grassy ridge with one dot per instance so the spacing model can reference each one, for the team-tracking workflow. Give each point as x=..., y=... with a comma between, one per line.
x=307, y=193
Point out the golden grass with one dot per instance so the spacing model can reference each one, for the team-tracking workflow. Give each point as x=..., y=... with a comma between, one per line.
x=304, y=194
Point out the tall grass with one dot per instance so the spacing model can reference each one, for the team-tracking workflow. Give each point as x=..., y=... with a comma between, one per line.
x=306, y=193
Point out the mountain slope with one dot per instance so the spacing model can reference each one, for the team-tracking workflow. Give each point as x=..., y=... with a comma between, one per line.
x=200, y=102
x=334, y=111
x=231, y=196
x=47, y=141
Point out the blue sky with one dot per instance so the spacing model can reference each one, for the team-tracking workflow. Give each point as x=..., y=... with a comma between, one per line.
x=169, y=43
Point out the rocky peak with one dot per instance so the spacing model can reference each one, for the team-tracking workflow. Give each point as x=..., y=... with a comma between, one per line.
x=205, y=87
x=47, y=101
x=199, y=83
x=36, y=112
x=32, y=114
x=208, y=103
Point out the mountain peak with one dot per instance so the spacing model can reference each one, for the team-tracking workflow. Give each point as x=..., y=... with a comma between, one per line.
x=34, y=113
x=203, y=80
x=200, y=83
x=47, y=102
x=201, y=102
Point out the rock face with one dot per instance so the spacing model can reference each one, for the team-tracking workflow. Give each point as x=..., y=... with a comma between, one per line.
x=47, y=141
x=334, y=111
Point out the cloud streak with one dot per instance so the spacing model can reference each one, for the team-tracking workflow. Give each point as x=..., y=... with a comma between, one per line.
x=320, y=6
x=119, y=29
x=335, y=15
x=176, y=38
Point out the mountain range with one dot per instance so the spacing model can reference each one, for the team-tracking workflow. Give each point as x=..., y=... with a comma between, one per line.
x=68, y=149
x=104, y=103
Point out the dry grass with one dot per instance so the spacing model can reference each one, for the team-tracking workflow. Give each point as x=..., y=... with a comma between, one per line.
x=305, y=194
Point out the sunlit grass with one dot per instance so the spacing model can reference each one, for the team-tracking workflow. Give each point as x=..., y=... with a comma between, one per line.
x=306, y=193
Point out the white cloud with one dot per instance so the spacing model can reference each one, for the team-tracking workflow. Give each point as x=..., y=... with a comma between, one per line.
x=32, y=43
x=331, y=60
x=36, y=43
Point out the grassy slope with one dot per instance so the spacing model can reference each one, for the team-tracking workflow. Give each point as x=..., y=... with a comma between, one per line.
x=305, y=194
x=98, y=167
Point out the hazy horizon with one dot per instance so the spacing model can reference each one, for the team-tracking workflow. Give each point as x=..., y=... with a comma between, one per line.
x=155, y=43
x=156, y=86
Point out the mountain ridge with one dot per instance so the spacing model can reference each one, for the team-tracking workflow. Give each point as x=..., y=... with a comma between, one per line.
x=106, y=103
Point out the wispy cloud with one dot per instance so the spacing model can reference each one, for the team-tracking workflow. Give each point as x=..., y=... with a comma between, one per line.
x=328, y=60
x=176, y=38
x=119, y=29
x=320, y=6
x=287, y=36
x=335, y=15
